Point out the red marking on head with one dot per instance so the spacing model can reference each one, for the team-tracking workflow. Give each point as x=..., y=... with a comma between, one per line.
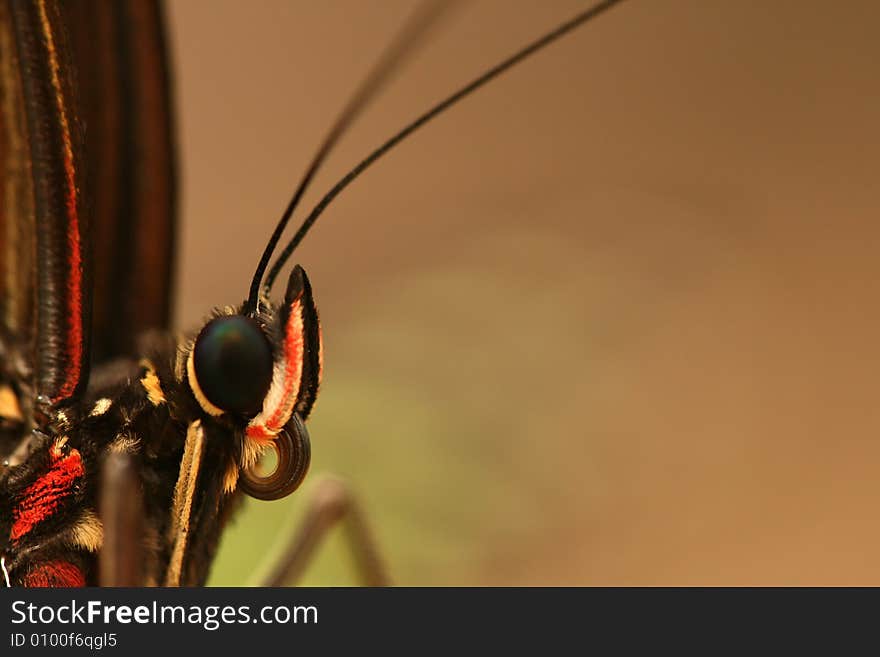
x=259, y=434
x=54, y=573
x=293, y=363
x=40, y=500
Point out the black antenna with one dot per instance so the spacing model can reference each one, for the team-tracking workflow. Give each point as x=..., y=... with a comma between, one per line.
x=493, y=72
x=407, y=38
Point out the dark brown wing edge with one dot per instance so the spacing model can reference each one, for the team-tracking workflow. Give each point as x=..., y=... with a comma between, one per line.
x=121, y=56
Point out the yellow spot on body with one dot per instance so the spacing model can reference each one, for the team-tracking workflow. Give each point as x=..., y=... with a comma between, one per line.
x=10, y=409
x=251, y=451
x=58, y=445
x=101, y=406
x=62, y=419
x=230, y=477
x=87, y=533
x=124, y=443
x=151, y=384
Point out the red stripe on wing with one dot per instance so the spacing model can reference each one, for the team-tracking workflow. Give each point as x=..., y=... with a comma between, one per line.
x=74, y=335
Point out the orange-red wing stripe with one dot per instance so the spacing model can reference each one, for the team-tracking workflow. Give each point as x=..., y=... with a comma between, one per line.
x=74, y=335
x=54, y=134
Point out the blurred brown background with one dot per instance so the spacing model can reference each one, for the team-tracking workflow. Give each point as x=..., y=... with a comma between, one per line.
x=612, y=320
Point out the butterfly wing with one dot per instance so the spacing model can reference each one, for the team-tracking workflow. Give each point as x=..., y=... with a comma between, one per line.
x=120, y=54
x=46, y=277
x=88, y=191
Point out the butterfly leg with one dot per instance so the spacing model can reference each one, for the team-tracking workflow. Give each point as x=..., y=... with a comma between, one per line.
x=332, y=502
x=121, y=560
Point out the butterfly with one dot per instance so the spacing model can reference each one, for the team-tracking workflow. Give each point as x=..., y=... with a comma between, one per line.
x=109, y=420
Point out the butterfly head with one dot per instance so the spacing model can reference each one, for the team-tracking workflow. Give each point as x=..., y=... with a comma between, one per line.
x=259, y=373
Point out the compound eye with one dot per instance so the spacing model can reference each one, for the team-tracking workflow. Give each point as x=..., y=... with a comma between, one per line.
x=232, y=359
